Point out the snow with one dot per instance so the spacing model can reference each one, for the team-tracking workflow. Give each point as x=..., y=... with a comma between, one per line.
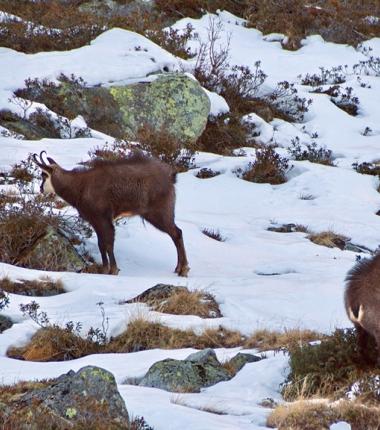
x=261, y=279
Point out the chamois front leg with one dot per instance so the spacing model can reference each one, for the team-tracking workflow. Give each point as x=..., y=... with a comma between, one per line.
x=106, y=238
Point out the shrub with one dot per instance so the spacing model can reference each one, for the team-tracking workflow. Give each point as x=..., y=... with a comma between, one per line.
x=325, y=369
x=173, y=40
x=269, y=167
x=339, y=21
x=367, y=168
x=35, y=216
x=286, y=102
x=206, y=173
x=333, y=76
x=213, y=234
x=225, y=133
x=310, y=152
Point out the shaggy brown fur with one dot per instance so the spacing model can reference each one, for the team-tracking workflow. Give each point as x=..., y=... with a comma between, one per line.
x=362, y=300
x=138, y=185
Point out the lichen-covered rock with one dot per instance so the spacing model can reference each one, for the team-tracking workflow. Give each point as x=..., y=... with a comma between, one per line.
x=241, y=359
x=173, y=101
x=89, y=396
x=183, y=376
x=53, y=251
x=206, y=356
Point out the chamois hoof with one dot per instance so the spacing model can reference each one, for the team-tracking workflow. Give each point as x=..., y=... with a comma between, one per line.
x=183, y=271
x=114, y=271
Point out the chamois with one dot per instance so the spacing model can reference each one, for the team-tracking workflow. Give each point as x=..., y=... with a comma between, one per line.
x=362, y=301
x=138, y=185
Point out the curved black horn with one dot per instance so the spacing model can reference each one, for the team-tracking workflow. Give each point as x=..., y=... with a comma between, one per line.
x=40, y=162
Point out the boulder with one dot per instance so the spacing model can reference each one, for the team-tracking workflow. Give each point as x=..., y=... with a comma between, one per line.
x=199, y=370
x=88, y=398
x=241, y=359
x=172, y=101
x=53, y=251
x=183, y=376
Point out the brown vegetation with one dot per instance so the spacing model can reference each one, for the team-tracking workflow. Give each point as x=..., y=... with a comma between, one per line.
x=38, y=287
x=329, y=239
x=185, y=302
x=269, y=167
x=311, y=415
x=264, y=339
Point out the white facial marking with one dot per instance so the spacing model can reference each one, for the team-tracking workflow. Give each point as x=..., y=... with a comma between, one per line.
x=48, y=186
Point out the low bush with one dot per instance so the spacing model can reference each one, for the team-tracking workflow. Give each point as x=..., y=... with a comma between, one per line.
x=39, y=287
x=213, y=234
x=328, y=368
x=367, y=168
x=36, y=217
x=310, y=152
x=339, y=21
x=206, y=173
x=269, y=167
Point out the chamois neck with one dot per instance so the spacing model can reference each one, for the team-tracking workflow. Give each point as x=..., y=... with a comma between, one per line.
x=66, y=186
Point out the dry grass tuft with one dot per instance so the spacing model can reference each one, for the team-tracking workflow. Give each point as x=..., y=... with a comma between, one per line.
x=265, y=340
x=38, y=287
x=311, y=415
x=142, y=334
x=185, y=302
x=54, y=343
x=328, y=238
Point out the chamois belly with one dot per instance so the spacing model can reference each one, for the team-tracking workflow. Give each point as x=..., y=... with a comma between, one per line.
x=123, y=215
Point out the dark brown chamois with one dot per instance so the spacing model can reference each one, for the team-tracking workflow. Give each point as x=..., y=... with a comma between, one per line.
x=362, y=300
x=138, y=185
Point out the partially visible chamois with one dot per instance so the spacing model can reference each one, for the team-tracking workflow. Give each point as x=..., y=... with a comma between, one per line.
x=362, y=300
x=138, y=185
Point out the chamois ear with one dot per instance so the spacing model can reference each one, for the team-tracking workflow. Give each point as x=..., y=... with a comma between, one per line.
x=51, y=161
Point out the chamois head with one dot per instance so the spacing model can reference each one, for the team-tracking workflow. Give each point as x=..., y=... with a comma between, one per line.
x=47, y=170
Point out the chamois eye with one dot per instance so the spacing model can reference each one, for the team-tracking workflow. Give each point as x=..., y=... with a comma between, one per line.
x=44, y=175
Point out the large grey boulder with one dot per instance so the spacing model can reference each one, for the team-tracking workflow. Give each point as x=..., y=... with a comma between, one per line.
x=88, y=398
x=199, y=370
x=173, y=101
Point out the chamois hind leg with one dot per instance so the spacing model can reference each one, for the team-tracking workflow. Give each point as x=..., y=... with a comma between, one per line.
x=165, y=223
x=105, y=231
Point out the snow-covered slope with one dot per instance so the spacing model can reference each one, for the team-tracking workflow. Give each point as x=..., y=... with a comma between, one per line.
x=261, y=279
